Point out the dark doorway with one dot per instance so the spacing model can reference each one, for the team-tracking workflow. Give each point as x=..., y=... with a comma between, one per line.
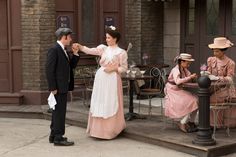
x=88, y=19
x=201, y=22
x=4, y=50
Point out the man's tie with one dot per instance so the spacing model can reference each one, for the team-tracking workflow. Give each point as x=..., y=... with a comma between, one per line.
x=66, y=53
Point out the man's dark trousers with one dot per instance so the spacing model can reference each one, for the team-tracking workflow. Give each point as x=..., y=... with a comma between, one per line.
x=58, y=116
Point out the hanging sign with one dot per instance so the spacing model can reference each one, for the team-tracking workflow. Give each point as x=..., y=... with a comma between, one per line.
x=109, y=21
x=63, y=21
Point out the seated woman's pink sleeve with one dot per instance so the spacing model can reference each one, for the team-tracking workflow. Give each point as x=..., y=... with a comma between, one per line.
x=178, y=80
x=231, y=69
x=230, y=72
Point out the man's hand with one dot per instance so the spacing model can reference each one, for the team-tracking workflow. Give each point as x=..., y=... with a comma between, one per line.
x=54, y=92
x=75, y=48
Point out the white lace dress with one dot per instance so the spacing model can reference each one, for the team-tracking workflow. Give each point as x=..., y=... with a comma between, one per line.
x=104, y=101
x=106, y=117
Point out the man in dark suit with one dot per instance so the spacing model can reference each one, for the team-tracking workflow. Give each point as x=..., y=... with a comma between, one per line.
x=59, y=71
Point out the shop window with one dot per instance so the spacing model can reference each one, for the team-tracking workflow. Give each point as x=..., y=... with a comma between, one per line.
x=88, y=21
x=212, y=17
x=191, y=17
x=234, y=17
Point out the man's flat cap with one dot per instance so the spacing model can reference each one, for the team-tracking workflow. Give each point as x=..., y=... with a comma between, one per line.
x=63, y=31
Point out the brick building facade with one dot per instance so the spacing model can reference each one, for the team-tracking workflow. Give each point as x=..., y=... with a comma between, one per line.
x=160, y=28
x=144, y=29
x=38, y=27
x=141, y=23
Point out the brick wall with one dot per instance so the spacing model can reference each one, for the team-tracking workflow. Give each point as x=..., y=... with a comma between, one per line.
x=38, y=27
x=171, y=31
x=133, y=28
x=144, y=29
x=152, y=30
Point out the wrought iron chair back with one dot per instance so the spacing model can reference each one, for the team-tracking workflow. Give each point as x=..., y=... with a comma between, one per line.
x=218, y=106
x=155, y=88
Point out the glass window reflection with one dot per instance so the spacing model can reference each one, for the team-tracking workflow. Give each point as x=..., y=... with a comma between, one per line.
x=212, y=17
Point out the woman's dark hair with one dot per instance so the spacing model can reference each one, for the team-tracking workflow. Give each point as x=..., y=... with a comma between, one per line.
x=114, y=33
x=224, y=49
x=179, y=62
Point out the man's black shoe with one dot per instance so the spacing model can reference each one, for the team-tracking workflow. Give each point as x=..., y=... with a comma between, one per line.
x=63, y=143
x=51, y=139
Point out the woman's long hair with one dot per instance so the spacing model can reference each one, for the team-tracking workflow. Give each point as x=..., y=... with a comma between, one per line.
x=179, y=64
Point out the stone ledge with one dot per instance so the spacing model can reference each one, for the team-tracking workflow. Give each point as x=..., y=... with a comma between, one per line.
x=11, y=98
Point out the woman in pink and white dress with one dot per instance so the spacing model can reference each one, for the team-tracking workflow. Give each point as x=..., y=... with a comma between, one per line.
x=179, y=103
x=223, y=67
x=106, y=116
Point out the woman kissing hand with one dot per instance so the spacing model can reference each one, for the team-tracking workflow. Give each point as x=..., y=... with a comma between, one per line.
x=75, y=48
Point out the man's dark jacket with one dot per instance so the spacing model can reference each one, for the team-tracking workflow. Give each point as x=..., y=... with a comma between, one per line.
x=59, y=69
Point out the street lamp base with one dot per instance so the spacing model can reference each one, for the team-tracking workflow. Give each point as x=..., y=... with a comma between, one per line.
x=204, y=138
x=209, y=142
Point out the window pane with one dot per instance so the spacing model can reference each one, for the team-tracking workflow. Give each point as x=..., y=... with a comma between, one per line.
x=3, y=29
x=234, y=17
x=212, y=17
x=88, y=21
x=191, y=17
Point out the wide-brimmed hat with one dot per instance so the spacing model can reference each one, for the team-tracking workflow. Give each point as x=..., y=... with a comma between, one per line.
x=220, y=43
x=185, y=57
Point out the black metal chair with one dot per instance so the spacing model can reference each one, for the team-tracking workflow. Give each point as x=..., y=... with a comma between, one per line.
x=155, y=88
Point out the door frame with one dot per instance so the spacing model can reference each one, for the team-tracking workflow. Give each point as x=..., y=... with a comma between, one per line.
x=197, y=44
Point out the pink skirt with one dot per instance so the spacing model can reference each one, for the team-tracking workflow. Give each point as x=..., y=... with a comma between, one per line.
x=110, y=127
x=179, y=102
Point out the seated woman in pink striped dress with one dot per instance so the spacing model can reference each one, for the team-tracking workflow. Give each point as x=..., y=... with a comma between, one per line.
x=223, y=68
x=181, y=104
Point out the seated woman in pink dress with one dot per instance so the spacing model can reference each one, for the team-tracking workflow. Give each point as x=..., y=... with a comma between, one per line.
x=106, y=116
x=223, y=67
x=181, y=104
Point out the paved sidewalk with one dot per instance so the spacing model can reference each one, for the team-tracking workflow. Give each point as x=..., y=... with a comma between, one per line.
x=29, y=137
x=151, y=130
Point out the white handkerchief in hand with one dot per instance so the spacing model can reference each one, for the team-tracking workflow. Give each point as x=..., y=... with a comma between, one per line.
x=213, y=77
x=52, y=101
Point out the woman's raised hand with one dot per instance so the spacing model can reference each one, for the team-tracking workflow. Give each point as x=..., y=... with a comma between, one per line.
x=76, y=47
